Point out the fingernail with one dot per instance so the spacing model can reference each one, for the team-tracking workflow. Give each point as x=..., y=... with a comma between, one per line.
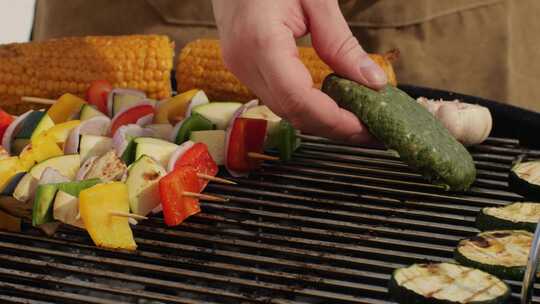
x=373, y=73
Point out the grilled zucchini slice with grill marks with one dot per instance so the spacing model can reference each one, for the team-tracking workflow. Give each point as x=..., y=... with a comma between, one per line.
x=502, y=253
x=446, y=283
x=516, y=216
x=524, y=178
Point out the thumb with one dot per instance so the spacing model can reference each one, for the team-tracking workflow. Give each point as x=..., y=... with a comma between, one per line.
x=336, y=45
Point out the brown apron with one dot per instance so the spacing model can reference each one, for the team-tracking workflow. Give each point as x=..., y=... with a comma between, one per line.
x=479, y=47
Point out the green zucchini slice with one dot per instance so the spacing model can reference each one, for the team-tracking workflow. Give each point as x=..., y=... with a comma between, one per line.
x=524, y=178
x=403, y=125
x=516, y=216
x=446, y=283
x=502, y=253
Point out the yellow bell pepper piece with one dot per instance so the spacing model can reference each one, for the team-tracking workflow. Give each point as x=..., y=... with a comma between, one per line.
x=8, y=168
x=44, y=147
x=60, y=132
x=65, y=108
x=96, y=204
x=174, y=107
x=27, y=158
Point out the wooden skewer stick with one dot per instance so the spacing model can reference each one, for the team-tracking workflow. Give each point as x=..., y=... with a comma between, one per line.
x=205, y=196
x=128, y=215
x=44, y=101
x=262, y=156
x=215, y=179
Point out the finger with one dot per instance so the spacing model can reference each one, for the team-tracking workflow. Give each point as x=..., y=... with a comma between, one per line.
x=288, y=87
x=336, y=45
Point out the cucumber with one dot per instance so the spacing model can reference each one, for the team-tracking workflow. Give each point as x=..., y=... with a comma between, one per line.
x=446, y=283
x=10, y=186
x=214, y=140
x=142, y=184
x=44, y=124
x=219, y=113
x=502, y=253
x=88, y=111
x=516, y=216
x=29, y=124
x=158, y=149
x=524, y=178
x=194, y=122
x=123, y=99
x=403, y=125
x=94, y=145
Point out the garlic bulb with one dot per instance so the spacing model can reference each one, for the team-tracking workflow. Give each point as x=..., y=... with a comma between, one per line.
x=469, y=123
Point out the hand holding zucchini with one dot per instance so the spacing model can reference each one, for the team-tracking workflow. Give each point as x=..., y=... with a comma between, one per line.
x=405, y=126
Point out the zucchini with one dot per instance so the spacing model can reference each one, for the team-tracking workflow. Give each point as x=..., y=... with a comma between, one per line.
x=516, y=216
x=524, y=178
x=446, y=283
x=502, y=253
x=403, y=125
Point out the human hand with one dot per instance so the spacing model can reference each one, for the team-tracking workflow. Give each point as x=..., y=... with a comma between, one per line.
x=259, y=47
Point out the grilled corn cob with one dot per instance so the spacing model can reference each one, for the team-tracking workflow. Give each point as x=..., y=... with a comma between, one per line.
x=201, y=67
x=51, y=68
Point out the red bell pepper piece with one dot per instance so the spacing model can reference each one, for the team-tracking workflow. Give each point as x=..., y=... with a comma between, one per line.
x=247, y=135
x=130, y=116
x=97, y=94
x=5, y=121
x=199, y=158
x=176, y=206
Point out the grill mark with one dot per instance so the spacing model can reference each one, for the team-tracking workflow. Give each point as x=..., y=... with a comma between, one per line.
x=481, y=291
x=479, y=241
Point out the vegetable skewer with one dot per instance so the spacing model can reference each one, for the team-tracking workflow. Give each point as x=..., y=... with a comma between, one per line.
x=128, y=215
x=39, y=100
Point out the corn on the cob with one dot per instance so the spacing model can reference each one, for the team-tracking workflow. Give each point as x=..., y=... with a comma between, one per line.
x=51, y=68
x=201, y=67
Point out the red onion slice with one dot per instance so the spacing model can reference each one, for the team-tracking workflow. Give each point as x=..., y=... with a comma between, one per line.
x=199, y=99
x=161, y=131
x=85, y=167
x=13, y=127
x=183, y=148
x=123, y=135
x=238, y=113
x=98, y=125
x=145, y=120
x=52, y=176
x=110, y=97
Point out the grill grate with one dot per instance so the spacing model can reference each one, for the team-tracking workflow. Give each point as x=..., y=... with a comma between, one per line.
x=328, y=227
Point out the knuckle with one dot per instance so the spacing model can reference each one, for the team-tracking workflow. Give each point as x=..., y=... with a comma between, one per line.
x=295, y=108
x=342, y=49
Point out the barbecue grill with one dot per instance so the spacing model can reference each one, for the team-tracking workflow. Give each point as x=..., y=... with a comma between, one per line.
x=329, y=226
